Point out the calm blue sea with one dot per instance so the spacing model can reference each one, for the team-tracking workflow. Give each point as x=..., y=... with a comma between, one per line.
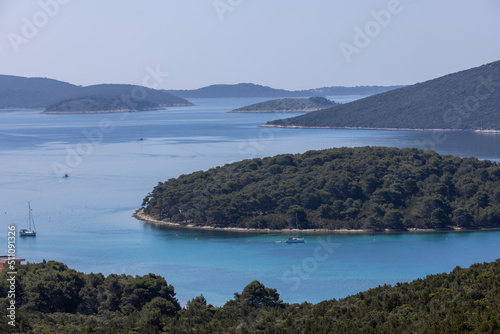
x=85, y=220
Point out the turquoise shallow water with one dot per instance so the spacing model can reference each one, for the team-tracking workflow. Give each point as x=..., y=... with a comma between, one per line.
x=85, y=220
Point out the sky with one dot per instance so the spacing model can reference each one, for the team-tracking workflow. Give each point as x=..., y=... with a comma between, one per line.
x=288, y=44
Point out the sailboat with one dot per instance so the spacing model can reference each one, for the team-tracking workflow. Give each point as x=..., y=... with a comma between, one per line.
x=141, y=138
x=29, y=232
x=296, y=239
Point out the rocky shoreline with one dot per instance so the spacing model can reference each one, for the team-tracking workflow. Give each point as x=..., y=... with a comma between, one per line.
x=140, y=215
x=369, y=128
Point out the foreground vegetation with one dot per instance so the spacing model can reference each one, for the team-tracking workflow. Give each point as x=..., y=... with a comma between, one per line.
x=355, y=188
x=50, y=298
x=466, y=100
x=288, y=105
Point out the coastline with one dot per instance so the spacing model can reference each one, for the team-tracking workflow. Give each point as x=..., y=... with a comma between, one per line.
x=266, y=111
x=140, y=215
x=370, y=128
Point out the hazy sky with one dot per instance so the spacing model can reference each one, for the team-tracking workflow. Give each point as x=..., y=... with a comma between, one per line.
x=279, y=43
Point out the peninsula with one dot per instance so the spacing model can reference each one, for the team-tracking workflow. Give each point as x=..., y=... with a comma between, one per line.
x=287, y=105
x=466, y=100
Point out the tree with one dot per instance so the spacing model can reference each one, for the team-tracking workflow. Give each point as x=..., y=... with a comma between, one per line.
x=481, y=199
x=196, y=303
x=53, y=288
x=439, y=218
x=393, y=219
x=257, y=295
x=462, y=217
x=325, y=211
x=156, y=312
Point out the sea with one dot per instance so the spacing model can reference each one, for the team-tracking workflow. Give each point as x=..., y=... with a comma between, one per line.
x=85, y=220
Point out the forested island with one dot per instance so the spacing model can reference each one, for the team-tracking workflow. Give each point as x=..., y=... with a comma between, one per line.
x=51, y=298
x=363, y=188
x=287, y=105
x=466, y=100
x=99, y=104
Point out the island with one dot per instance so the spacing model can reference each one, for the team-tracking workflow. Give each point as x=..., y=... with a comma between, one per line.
x=52, y=298
x=287, y=105
x=39, y=93
x=99, y=104
x=466, y=100
x=335, y=190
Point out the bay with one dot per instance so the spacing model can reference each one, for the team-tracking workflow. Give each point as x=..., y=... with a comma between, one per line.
x=85, y=220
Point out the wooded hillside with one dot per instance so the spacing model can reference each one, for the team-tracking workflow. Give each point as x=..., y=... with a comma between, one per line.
x=355, y=188
x=466, y=100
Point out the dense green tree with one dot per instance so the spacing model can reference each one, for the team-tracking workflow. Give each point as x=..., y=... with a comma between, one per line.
x=462, y=217
x=393, y=219
x=257, y=295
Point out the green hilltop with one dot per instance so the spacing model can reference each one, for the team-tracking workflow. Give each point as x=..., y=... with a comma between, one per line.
x=466, y=100
x=287, y=105
x=374, y=188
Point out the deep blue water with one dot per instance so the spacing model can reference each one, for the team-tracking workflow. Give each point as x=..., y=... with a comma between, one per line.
x=85, y=220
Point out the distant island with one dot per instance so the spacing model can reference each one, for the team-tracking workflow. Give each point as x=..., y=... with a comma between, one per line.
x=53, y=298
x=253, y=90
x=466, y=100
x=340, y=189
x=287, y=105
x=99, y=104
x=39, y=93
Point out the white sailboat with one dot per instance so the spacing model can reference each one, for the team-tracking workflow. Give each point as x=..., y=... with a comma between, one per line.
x=29, y=232
x=296, y=239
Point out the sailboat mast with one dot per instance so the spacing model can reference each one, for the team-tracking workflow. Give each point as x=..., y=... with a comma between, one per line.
x=297, y=223
x=31, y=220
x=29, y=216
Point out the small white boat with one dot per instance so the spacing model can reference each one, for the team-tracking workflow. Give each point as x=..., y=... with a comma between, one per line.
x=296, y=239
x=28, y=232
